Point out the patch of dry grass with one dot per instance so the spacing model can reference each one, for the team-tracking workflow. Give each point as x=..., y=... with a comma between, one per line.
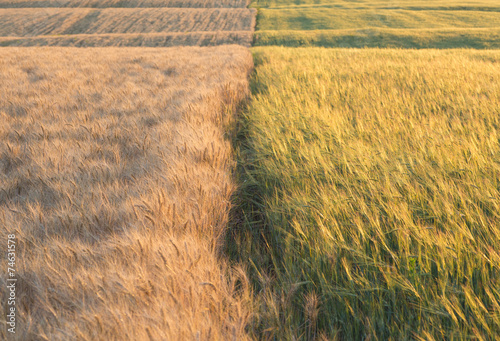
x=115, y=176
x=62, y=21
x=124, y=3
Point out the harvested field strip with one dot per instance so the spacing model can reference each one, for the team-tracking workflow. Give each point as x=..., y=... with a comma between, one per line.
x=116, y=177
x=124, y=3
x=477, y=38
x=371, y=194
x=243, y=38
x=51, y=21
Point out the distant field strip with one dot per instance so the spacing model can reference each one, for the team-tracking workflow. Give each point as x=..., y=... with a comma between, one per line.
x=123, y=3
x=479, y=38
x=421, y=24
x=377, y=4
x=36, y=22
x=333, y=18
x=147, y=27
x=371, y=194
x=116, y=177
x=243, y=38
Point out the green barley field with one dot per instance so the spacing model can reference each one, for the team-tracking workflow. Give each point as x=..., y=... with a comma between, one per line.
x=365, y=23
x=370, y=194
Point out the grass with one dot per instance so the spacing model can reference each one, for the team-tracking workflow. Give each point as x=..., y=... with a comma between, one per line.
x=116, y=177
x=405, y=24
x=370, y=194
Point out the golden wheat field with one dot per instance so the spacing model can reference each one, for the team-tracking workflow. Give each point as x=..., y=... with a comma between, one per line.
x=124, y=3
x=116, y=177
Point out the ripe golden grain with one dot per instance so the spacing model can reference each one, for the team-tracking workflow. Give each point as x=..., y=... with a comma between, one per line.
x=115, y=176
